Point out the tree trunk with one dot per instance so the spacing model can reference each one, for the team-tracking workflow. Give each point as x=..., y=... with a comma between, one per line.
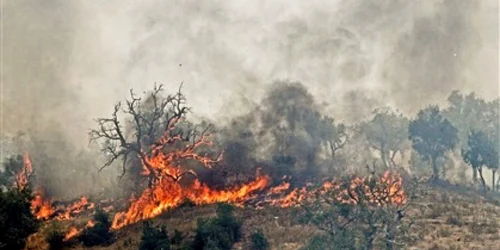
x=493, y=187
x=483, y=182
x=383, y=154
x=474, y=175
x=435, y=172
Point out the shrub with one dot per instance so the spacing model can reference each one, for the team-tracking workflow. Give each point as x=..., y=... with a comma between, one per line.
x=219, y=233
x=154, y=238
x=258, y=241
x=100, y=233
x=16, y=220
x=55, y=238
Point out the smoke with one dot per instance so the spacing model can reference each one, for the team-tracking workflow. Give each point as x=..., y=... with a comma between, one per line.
x=66, y=62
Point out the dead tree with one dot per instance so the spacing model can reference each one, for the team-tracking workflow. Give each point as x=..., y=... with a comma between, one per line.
x=156, y=138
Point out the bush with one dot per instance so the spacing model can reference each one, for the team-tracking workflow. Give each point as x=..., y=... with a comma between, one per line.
x=154, y=238
x=100, y=233
x=258, y=241
x=219, y=233
x=55, y=238
x=16, y=220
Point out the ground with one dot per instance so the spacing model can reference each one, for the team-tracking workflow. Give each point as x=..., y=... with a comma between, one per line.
x=447, y=217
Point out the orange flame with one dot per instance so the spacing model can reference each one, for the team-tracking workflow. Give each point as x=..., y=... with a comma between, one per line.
x=169, y=194
x=76, y=208
x=40, y=207
x=22, y=178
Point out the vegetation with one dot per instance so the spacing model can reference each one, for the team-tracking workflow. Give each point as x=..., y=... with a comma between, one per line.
x=154, y=238
x=481, y=152
x=258, y=241
x=17, y=222
x=432, y=136
x=219, y=233
x=100, y=233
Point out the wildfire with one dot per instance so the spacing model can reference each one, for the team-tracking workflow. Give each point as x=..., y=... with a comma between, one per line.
x=76, y=208
x=169, y=194
x=384, y=190
x=22, y=179
x=41, y=208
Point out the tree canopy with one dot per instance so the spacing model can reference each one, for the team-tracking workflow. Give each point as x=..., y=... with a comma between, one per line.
x=432, y=135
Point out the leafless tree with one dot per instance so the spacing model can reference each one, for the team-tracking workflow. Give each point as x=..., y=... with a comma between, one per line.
x=155, y=124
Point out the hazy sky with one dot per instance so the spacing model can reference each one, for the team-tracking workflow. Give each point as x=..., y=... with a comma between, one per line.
x=66, y=62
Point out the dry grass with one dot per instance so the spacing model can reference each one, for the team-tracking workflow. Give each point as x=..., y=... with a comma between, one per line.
x=445, y=219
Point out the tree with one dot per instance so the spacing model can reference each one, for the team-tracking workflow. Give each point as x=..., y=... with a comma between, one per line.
x=334, y=135
x=481, y=152
x=16, y=220
x=100, y=233
x=432, y=136
x=387, y=132
x=361, y=214
x=157, y=132
x=154, y=238
x=467, y=112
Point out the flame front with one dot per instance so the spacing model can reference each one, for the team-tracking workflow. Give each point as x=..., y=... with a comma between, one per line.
x=169, y=194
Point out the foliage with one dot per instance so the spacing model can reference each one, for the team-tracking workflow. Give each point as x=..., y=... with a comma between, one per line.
x=55, y=238
x=481, y=151
x=387, y=132
x=365, y=222
x=154, y=238
x=258, y=241
x=432, y=135
x=11, y=168
x=16, y=220
x=100, y=233
x=218, y=233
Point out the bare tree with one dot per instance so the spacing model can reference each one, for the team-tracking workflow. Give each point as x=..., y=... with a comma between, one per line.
x=156, y=136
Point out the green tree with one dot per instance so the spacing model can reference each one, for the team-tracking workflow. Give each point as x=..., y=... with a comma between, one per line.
x=481, y=151
x=154, y=238
x=468, y=112
x=100, y=233
x=258, y=241
x=432, y=136
x=387, y=132
x=16, y=220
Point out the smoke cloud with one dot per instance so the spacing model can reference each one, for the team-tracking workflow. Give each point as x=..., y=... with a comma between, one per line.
x=67, y=62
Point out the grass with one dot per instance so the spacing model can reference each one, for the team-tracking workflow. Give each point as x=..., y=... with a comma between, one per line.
x=444, y=219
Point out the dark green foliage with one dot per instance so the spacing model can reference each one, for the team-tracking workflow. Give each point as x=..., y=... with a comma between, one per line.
x=16, y=220
x=432, y=136
x=55, y=239
x=100, y=233
x=177, y=238
x=219, y=233
x=154, y=238
x=258, y=241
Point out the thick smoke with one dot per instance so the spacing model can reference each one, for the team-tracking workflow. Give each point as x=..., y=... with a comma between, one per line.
x=66, y=62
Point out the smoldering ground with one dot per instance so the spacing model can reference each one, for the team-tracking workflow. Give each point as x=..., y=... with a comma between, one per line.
x=67, y=62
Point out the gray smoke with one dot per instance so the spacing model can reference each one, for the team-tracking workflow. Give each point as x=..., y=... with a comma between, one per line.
x=66, y=62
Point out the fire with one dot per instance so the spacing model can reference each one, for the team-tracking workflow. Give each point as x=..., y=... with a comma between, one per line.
x=385, y=190
x=73, y=231
x=169, y=194
x=22, y=179
x=76, y=208
x=41, y=208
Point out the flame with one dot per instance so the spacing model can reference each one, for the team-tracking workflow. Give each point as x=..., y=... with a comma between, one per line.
x=73, y=231
x=386, y=190
x=41, y=208
x=22, y=178
x=76, y=208
x=169, y=194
